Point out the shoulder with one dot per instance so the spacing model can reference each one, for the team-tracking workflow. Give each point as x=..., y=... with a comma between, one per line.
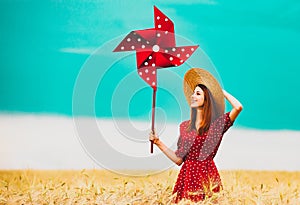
x=184, y=124
x=183, y=127
x=221, y=118
x=222, y=123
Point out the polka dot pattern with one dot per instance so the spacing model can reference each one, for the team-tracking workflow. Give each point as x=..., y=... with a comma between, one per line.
x=179, y=54
x=155, y=47
x=134, y=41
x=149, y=74
x=199, y=176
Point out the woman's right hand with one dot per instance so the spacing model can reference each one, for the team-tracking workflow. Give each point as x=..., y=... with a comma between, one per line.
x=237, y=107
x=153, y=137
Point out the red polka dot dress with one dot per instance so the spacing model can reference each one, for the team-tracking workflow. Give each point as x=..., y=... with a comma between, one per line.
x=199, y=176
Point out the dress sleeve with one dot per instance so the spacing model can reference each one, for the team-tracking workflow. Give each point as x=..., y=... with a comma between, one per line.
x=222, y=123
x=180, y=152
x=183, y=145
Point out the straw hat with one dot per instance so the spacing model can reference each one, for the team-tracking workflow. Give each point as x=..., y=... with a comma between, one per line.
x=196, y=76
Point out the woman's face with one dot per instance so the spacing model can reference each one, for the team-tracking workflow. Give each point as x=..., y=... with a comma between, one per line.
x=197, y=98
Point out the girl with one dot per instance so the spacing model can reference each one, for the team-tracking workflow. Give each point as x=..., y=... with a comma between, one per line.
x=200, y=136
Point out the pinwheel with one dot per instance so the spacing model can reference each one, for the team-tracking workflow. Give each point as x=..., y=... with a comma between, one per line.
x=155, y=48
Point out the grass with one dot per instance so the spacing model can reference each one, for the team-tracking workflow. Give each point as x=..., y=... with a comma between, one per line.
x=104, y=187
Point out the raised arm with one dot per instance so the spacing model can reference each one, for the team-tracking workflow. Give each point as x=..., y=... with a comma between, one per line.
x=167, y=151
x=236, y=106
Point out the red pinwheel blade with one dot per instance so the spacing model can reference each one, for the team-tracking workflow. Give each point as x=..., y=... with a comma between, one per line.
x=148, y=74
x=132, y=42
x=164, y=58
x=149, y=35
x=176, y=55
x=165, y=29
x=145, y=59
x=156, y=37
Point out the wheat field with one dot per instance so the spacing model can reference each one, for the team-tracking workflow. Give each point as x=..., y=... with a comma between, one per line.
x=105, y=187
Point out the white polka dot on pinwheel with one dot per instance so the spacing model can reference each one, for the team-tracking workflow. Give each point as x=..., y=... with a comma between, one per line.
x=153, y=64
x=150, y=57
x=159, y=26
x=143, y=46
x=128, y=39
x=146, y=71
x=146, y=63
x=158, y=17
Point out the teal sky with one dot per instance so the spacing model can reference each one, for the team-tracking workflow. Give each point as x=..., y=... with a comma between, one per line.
x=254, y=46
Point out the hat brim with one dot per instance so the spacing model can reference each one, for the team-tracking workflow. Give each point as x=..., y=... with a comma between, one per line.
x=196, y=76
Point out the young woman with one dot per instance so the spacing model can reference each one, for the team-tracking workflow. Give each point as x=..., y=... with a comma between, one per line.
x=200, y=136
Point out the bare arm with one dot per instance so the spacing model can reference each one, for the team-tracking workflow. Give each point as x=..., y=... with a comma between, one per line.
x=236, y=106
x=167, y=151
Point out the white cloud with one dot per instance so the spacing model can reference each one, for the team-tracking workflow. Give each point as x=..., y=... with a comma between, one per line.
x=50, y=142
x=190, y=2
x=78, y=50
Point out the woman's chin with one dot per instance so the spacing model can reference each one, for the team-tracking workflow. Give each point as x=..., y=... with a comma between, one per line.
x=193, y=106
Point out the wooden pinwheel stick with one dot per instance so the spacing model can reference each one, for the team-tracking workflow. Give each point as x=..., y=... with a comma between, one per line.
x=153, y=116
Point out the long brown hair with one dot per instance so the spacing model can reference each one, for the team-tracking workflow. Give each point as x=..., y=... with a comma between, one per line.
x=208, y=112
